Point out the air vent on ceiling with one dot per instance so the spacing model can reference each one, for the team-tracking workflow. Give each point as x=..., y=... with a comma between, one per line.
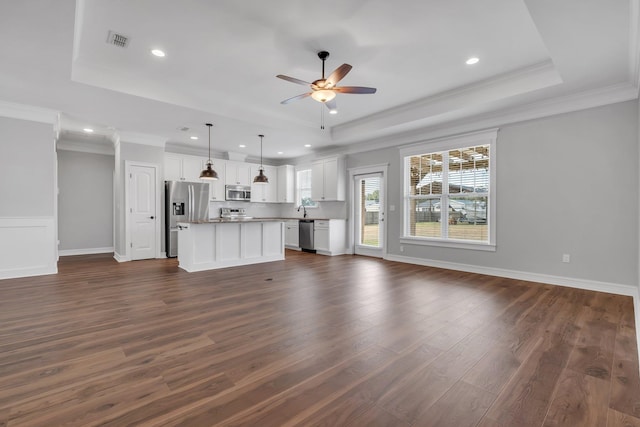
x=117, y=39
x=182, y=128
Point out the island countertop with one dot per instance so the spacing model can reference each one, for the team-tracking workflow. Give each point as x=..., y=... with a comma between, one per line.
x=250, y=219
x=235, y=220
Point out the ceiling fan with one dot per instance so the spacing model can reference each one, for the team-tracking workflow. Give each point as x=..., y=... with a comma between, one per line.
x=324, y=90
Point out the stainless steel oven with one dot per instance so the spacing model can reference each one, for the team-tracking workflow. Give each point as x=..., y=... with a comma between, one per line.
x=241, y=193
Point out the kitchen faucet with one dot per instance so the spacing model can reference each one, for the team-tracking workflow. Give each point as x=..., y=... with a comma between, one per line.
x=304, y=209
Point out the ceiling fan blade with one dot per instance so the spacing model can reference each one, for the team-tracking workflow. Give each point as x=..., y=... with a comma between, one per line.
x=293, y=80
x=338, y=74
x=295, y=98
x=332, y=105
x=355, y=89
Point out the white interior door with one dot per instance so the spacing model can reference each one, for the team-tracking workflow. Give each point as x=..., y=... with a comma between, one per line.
x=369, y=214
x=142, y=211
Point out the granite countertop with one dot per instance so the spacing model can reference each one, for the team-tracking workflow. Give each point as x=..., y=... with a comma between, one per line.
x=225, y=220
x=252, y=219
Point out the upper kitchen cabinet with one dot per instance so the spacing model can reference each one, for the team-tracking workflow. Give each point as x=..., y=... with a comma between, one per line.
x=265, y=193
x=286, y=184
x=327, y=179
x=237, y=173
x=216, y=188
x=181, y=167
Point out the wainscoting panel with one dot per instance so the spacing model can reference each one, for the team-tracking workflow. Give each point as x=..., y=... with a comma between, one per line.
x=28, y=247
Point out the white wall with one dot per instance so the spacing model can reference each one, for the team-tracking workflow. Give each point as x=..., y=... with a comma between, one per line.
x=565, y=184
x=27, y=188
x=85, y=202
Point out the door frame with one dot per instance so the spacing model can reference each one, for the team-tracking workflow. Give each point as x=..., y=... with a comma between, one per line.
x=365, y=170
x=128, y=164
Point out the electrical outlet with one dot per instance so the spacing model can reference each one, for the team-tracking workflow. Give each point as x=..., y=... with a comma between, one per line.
x=566, y=258
x=392, y=208
x=401, y=248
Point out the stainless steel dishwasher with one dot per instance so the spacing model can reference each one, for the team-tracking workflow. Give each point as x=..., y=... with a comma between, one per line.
x=305, y=234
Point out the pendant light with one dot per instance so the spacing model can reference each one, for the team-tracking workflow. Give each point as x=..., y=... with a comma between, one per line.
x=209, y=173
x=261, y=178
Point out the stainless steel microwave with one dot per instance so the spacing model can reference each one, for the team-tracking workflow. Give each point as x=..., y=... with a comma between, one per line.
x=240, y=193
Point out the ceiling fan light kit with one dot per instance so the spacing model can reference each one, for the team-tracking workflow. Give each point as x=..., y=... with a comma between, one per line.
x=323, y=95
x=324, y=90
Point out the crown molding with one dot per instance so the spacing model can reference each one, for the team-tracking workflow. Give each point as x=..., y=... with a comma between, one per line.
x=549, y=107
x=28, y=112
x=84, y=147
x=509, y=84
x=142, y=138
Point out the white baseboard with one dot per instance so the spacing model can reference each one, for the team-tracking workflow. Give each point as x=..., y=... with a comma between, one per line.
x=28, y=272
x=86, y=251
x=330, y=253
x=124, y=258
x=591, y=285
x=28, y=247
x=120, y=258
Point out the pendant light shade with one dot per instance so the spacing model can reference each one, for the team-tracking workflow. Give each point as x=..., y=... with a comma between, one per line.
x=208, y=173
x=261, y=178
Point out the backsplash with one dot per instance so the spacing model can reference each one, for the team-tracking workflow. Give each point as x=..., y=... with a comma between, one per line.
x=325, y=210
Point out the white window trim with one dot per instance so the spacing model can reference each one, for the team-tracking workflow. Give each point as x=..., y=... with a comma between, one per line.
x=486, y=137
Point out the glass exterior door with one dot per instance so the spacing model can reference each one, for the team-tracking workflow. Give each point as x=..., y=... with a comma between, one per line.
x=369, y=223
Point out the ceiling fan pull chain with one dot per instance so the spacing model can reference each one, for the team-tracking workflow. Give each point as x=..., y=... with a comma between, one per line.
x=321, y=117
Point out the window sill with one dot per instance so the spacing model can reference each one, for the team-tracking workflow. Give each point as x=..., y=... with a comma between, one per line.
x=456, y=244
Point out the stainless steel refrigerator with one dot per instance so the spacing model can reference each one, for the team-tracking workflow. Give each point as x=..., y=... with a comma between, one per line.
x=184, y=201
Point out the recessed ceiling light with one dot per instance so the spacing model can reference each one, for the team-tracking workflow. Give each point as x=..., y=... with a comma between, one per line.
x=158, y=52
x=280, y=152
x=472, y=60
x=333, y=111
x=242, y=146
x=194, y=137
x=307, y=145
x=88, y=130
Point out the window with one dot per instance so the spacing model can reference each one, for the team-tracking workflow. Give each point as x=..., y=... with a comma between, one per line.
x=303, y=189
x=448, y=192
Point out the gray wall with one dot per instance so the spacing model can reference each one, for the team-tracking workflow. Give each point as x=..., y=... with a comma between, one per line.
x=565, y=184
x=85, y=202
x=27, y=168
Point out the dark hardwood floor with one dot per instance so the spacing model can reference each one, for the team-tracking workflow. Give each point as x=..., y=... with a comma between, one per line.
x=310, y=341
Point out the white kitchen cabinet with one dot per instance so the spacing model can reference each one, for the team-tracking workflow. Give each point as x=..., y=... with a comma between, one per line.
x=172, y=167
x=327, y=179
x=182, y=167
x=192, y=166
x=291, y=234
x=286, y=184
x=216, y=188
x=237, y=173
x=330, y=236
x=265, y=193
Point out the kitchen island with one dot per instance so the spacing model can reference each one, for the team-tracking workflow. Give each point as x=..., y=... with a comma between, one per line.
x=220, y=243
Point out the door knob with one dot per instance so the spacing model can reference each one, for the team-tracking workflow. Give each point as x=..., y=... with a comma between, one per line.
x=151, y=217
